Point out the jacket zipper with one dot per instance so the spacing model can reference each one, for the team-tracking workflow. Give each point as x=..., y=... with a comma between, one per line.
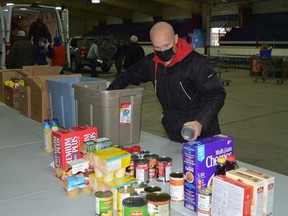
x=184, y=90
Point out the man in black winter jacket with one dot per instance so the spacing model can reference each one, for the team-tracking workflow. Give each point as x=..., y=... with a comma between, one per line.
x=186, y=86
x=133, y=53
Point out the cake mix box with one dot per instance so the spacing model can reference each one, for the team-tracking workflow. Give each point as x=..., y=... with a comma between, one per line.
x=269, y=185
x=199, y=164
x=88, y=132
x=231, y=197
x=66, y=148
x=258, y=190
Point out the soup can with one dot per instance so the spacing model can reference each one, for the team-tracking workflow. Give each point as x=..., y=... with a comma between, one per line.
x=103, y=202
x=204, y=201
x=164, y=167
x=135, y=205
x=152, y=158
x=177, y=186
x=141, y=170
x=158, y=203
x=122, y=193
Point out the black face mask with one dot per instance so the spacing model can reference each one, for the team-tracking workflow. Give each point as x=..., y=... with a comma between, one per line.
x=165, y=55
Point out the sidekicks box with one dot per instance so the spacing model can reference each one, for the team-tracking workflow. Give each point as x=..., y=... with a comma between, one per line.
x=199, y=164
x=66, y=148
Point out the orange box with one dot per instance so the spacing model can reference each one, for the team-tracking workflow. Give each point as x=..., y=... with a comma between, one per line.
x=25, y=101
x=11, y=97
x=230, y=197
x=66, y=148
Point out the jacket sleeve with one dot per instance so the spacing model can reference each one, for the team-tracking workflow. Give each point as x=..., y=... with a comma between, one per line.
x=212, y=93
x=134, y=75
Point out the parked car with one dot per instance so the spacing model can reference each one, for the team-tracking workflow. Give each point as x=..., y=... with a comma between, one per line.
x=79, y=48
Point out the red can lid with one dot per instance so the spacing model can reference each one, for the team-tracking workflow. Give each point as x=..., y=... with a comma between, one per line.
x=127, y=149
x=231, y=158
x=135, y=148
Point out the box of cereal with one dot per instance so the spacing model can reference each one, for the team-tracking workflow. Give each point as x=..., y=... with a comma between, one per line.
x=199, y=164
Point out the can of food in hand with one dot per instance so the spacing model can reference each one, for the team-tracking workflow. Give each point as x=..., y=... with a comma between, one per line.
x=158, y=203
x=135, y=205
x=177, y=186
x=152, y=158
x=204, y=201
x=141, y=170
x=122, y=193
x=104, y=203
x=164, y=167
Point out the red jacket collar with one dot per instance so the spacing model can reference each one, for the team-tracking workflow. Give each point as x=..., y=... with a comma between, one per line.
x=183, y=49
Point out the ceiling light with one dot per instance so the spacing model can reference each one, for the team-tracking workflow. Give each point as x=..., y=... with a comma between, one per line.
x=58, y=7
x=95, y=1
x=10, y=4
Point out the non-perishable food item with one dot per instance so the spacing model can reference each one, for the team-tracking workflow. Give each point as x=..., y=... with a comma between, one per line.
x=135, y=205
x=111, y=159
x=88, y=132
x=164, y=167
x=73, y=184
x=258, y=190
x=177, y=186
x=204, y=201
x=104, y=203
x=158, y=203
x=122, y=193
x=269, y=184
x=231, y=197
x=141, y=170
x=152, y=158
x=199, y=164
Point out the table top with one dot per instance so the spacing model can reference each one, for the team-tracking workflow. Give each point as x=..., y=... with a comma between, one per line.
x=29, y=187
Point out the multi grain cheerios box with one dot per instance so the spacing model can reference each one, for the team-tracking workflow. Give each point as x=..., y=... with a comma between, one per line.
x=199, y=164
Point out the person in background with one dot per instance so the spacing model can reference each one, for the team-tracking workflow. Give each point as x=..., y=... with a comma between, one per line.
x=57, y=53
x=39, y=29
x=40, y=52
x=186, y=86
x=21, y=53
x=94, y=58
x=133, y=53
x=119, y=56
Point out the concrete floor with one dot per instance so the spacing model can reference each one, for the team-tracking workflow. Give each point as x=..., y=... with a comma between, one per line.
x=255, y=114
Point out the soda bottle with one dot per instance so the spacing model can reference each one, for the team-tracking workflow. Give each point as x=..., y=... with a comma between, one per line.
x=221, y=166
x=231, y=163
x=54, y=126
x=47, y=136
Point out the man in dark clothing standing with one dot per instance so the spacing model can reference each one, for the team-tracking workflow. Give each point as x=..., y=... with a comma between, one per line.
x=39, y=29
x=21, y=53
x=187, y=87
x=134, y=52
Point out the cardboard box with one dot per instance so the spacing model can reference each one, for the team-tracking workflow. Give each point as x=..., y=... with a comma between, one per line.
x=199, y=164
x=25, y=101
x=88, y=132
x=269, y=186
x=11, y=97
x=258, y=190
x=66, y=148
x=230, y=197
x=38, y=70
x=40, y=101
x=7, y=75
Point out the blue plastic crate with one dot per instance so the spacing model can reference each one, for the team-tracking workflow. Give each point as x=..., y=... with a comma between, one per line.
x=62, y=101
x=266, y=53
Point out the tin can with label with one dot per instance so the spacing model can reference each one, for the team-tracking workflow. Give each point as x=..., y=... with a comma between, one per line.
x=204, y=201
x=158, y=203
x=130, y=169
x=135, y=205
x=143, y=153
x=164, y=167
x=141, y=170
x=103, y=202
x=177, y=186
x=152, y=158
x=122, y=193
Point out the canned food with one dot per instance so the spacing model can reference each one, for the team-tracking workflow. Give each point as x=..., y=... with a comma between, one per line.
x=135, y=205
x=139, y=186
x=141, y=170
x=104, y=203
x=122, y=193
x=152, y=158
x=143, y=152
x=177, y=186
x=130, y=169
x=204, y=201
x=158, y=203
x=164, y=167
x=151, y=189
x=135, y=149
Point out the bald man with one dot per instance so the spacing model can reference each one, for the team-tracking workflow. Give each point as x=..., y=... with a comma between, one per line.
x=186, y=86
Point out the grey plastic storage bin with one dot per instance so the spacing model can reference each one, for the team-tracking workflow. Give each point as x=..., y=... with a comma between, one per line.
x=62, y=101
x=116, y=113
